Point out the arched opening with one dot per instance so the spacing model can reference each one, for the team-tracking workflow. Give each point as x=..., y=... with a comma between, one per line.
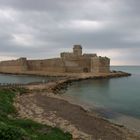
x=85, y=70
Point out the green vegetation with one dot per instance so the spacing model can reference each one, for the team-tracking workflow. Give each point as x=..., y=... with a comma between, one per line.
x=13, y=128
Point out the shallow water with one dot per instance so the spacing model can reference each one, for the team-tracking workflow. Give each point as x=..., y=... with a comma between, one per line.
x=22, y=79
x=114, y=97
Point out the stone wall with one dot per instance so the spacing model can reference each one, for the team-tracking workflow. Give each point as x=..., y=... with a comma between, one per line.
x=61, y=65
x=49, y=65
x=66, y=55
x=73, y=62
x=100, y=64
x=13, y=65
x=77, y=64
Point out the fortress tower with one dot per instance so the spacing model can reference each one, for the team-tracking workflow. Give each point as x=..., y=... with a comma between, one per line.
x=77, y=50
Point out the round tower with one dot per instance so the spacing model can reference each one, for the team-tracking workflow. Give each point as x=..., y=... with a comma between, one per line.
x=77, y=50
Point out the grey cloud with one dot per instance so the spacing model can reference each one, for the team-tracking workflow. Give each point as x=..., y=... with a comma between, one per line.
x=45, y=27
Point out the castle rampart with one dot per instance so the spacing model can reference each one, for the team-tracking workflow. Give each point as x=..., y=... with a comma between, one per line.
x=69, y=62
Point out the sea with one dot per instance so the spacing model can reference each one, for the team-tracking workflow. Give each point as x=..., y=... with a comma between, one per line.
x=116, y=99
x=22, y=79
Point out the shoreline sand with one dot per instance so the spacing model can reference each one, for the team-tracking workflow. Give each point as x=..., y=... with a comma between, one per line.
x=50, y=109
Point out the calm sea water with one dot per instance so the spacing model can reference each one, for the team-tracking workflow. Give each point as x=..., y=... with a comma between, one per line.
x=118, y=95
x=22, y=79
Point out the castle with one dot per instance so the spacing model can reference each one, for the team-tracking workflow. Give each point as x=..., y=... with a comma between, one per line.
x=69, y=62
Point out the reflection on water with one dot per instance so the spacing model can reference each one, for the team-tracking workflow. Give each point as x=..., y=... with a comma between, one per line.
x=88, y=84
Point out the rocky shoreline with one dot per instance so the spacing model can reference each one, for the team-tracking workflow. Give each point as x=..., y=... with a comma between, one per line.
x=44, y=104
x=60, y=84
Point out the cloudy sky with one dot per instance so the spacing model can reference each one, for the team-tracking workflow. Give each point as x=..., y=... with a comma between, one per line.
x=44, y=28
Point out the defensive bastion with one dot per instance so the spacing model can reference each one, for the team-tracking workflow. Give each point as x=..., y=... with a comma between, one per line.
x=69, y=62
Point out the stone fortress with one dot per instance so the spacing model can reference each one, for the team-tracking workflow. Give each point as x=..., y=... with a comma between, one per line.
x=69, y=62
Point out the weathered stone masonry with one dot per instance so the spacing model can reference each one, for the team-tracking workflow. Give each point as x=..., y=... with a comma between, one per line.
x=74, y=62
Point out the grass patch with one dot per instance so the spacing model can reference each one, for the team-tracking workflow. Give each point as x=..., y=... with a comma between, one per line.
x=12, y=128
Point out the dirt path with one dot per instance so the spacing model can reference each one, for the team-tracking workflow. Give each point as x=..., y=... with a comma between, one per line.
x=57, y=112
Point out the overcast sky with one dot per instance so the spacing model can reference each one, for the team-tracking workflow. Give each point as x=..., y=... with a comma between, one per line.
x=44, y=28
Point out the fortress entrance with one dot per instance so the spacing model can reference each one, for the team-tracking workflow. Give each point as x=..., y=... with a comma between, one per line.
x=85, y=70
